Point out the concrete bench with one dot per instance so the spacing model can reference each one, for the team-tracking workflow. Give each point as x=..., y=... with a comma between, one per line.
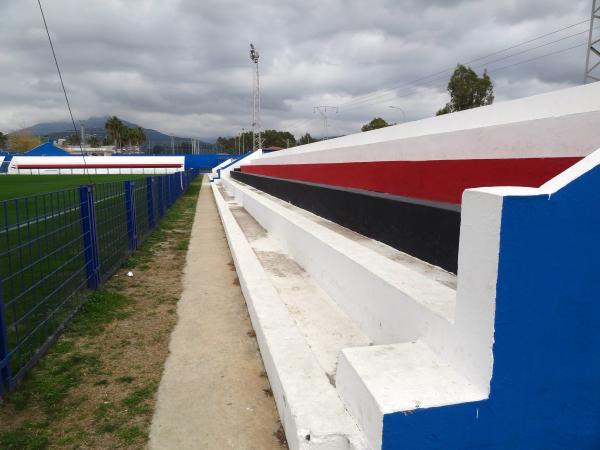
x=500, y=362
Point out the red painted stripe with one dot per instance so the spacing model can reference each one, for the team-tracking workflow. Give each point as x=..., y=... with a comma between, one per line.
x=96, y=166
x=442, y=181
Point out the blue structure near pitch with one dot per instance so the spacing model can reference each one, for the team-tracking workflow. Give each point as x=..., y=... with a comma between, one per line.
x=544, y=389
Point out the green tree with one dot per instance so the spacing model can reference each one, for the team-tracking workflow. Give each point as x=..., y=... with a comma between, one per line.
x=374, y=124
x=274, y=138
x=93, y=141
x=73, y=139
x=139, y=135
x=3, y=140
x=306, y=139
x=468, y=90
x=22, y=141
x=246, y=141
x=115, y=130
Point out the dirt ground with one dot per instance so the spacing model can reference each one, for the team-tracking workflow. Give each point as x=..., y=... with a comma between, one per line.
x=214, y=393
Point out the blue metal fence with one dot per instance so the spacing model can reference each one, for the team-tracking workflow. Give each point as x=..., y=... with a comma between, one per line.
x=56, y=248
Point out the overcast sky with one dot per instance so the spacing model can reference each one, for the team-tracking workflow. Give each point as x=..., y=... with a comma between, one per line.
x=182, y=66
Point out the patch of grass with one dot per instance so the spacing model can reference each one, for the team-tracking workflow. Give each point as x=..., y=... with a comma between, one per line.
x=134, y=402
x=108, y=427
x=102, y=410
x=51, y=382
x=129, y=434
x=182, y=245
x=63, y=367
x=102, y=308
x=74, y=438
x=30, y=436
x=126, y=379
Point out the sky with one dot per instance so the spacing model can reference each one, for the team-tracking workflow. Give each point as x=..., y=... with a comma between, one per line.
x=183, y=66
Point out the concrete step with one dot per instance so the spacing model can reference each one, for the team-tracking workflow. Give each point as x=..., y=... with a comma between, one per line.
x=387, y=379
x=310, y=409
x=378, y=322
x=392, y=296
x=326, y=328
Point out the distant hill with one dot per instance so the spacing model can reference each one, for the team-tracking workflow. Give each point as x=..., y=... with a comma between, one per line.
x=95, y=126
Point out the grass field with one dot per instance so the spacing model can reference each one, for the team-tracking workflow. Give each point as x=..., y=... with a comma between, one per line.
x=13, y=186
x=43, y=270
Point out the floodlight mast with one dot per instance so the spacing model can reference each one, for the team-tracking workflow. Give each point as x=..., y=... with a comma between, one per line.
x=82, y=127
x=592, y=61
x=256, y=125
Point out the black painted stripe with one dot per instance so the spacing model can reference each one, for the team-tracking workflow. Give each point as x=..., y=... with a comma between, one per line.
x=425, y=229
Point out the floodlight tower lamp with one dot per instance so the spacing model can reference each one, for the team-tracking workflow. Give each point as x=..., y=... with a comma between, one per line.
x=256, y=125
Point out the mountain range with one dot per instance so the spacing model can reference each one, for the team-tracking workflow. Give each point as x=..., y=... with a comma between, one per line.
x=95, y=126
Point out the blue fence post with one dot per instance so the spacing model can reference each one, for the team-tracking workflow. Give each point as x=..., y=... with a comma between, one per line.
x=90, y=236
x=150, y=197
x=161, y=198
x=130, y=207
x=5, y=372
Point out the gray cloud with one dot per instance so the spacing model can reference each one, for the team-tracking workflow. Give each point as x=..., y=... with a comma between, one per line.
x=182, y=66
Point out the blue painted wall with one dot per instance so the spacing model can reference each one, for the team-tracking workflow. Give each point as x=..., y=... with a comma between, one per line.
x=545, y=390
x=206, y=162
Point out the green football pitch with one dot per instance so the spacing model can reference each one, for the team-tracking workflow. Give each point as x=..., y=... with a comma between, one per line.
x=15, y=186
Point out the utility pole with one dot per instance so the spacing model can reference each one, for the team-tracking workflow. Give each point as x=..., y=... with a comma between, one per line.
x=172, y=145
x=256, y=135
x=323, y=110
x=592, y=60
x=82, y=125
x=243, y=147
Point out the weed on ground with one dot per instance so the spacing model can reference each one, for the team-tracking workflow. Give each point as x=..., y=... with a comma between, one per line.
x=96, y=387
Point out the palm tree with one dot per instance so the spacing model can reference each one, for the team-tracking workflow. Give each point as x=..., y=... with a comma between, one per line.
x=141, y=136
x=114, y=128
x=125, y=134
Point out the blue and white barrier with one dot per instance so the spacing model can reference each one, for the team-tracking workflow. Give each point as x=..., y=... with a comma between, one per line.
x=96, y=165
x=524, y=337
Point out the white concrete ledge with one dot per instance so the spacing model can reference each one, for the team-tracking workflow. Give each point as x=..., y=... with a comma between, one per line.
x=391, y=301
x=430, y=349
x=311, y=411
x=384, y=379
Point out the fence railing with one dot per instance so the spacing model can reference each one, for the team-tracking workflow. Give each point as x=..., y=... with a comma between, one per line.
x=56, y=248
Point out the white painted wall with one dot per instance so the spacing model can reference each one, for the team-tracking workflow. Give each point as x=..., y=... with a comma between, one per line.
x=215, y=169
x=391, y=302
x=560, y=123
x=245, y=160
x=91, y=160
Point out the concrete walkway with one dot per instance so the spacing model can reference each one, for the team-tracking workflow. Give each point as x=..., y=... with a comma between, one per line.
x=214, y=393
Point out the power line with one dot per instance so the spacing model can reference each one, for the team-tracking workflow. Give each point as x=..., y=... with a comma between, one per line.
x=510, y=65
x=63, y=87
x=387, y=92
x=538, y=57
x=365, y=97
x=497, y=69
x=358, y=101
